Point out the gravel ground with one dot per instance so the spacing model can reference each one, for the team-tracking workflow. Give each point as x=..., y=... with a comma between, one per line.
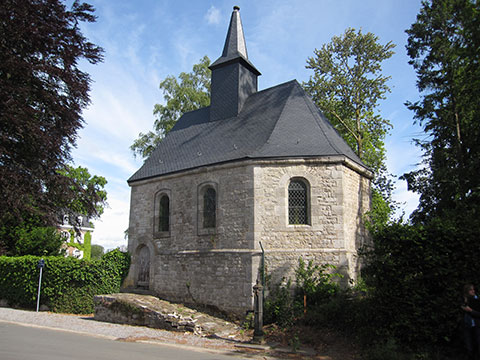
x=85, y=324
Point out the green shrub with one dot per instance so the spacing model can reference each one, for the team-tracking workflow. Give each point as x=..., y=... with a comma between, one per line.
x=315, y=283
x=280, y=306
x=387, y=350
x=96, y=252
x=68, y=284
x=416, y=273
x=40, y=241
x=87, y=246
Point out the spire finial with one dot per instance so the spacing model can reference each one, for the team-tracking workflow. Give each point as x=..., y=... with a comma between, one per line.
x=236, y=8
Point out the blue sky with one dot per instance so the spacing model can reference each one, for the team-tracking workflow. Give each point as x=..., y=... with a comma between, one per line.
x=147, y=40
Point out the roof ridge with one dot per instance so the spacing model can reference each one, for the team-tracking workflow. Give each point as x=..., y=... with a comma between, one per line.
x=276, y=86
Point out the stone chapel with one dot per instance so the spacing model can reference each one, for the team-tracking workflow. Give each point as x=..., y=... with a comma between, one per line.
x=256, y=173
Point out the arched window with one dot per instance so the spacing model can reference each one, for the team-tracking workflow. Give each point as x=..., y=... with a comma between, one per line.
x=209, y=208
x=164, y=214
x=298, y=202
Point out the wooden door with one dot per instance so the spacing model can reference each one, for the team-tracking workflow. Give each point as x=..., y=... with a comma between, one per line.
x=144, y=267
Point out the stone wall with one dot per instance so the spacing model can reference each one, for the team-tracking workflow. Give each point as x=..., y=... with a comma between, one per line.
x=188, y=264
x=355, y=204
x=339, y=196
x=220, y=267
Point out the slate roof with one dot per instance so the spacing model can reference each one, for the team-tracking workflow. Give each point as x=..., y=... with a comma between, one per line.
x=276, y=123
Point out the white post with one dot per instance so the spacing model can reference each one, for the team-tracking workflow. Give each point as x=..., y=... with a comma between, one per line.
x=41, y=264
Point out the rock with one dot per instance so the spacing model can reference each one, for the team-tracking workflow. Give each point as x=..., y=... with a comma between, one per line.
x=147, y=310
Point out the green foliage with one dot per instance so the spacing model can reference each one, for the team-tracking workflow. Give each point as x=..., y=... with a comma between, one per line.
x=30, y=240
x=347, y=85
x=191, y=93
x=419, y=271
x=443, y=46
x=317, y=282
x=42, y=95
x=90, y=193
x=97, y=252
x=87, y=246
x=416, y=271
x=68, y=284
x=87, y=198
x=285, y=304
x=280, y=307
x=387, y=349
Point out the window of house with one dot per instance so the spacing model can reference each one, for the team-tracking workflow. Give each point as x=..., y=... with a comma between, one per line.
x=161, y=221
x=209, y=208
x=207, y=203
x=298, y=202
x=164, y=214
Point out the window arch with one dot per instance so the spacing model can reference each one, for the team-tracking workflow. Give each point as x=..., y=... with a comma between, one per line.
x=298, y=202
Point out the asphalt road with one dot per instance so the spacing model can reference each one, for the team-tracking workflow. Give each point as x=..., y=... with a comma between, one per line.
x=18, y=342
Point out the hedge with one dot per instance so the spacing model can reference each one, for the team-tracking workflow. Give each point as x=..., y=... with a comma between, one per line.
x=68, y=284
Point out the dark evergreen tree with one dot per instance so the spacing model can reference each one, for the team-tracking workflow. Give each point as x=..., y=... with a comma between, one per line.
x=42, y=94
x=444, y=46
x=419, y=269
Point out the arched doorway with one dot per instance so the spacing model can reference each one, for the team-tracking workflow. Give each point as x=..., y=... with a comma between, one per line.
x=143, y=266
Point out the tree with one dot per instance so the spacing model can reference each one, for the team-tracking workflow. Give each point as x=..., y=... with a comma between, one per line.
x=34, y=240
x=191, y=93
x=42, y=94
x=347, y=85
x=443, y=46
x=97, y=252
x=88, y=189
x=419, y=268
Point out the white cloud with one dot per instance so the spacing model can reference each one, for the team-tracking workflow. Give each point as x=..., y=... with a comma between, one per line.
x=408, y=201
x=110, y=228
x=213, y=15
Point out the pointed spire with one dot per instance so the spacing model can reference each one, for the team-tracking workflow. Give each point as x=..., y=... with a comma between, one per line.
x=235, y=41
x=235, y=46
x=234, y=78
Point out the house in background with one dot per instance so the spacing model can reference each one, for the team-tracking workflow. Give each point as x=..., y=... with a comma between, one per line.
x=74, y=237
x=256, y=173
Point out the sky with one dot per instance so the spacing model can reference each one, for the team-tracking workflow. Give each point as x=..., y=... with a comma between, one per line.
x=148, y=40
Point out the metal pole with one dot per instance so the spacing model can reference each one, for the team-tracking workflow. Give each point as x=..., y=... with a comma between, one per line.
x=39, y=287
x=258, y=319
